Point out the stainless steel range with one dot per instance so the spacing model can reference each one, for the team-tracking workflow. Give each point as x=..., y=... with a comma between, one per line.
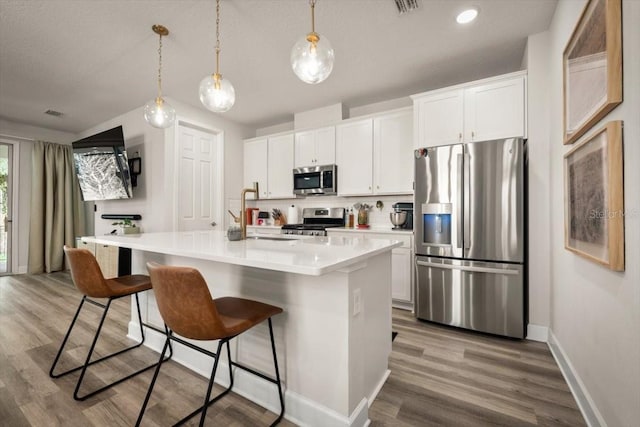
x=315, y=221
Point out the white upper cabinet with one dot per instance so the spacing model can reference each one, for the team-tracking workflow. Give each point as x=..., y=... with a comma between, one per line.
x=489, y=109
x=255, y=165
x=269, y=162
x=439, y=118
x=280, y=167
x=393, y=153
x=375, y=156
x=495, y=110
x=354, y=157
x=315, y=147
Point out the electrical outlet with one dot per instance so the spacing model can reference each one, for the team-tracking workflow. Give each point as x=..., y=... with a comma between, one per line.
x=357, y=302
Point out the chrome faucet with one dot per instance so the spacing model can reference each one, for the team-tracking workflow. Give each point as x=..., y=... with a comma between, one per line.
x=243, y=213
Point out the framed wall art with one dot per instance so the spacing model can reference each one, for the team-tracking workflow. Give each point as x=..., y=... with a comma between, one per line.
x=594, y=198
x=592, y=64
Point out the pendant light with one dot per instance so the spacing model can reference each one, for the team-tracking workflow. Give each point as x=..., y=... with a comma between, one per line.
x=312, y=55
x=217, y=94
x=157, y=112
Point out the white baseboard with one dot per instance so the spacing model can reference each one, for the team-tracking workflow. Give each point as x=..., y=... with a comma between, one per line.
x=537, y=333
x=256, y=389
x=589, y=411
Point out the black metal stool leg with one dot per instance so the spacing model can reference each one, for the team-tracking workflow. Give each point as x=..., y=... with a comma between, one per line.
x=213, y=376
x=278, y=382
x=227, y=390
x=64, y=342
x=88, y=361
x=167, y=343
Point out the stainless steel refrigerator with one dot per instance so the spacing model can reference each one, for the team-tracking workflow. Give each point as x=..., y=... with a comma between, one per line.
x=469, y=226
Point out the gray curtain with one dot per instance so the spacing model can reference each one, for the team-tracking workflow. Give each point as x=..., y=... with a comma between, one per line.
x=57, y=211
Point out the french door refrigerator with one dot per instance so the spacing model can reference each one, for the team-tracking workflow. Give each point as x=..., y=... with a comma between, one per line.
x=469, y=227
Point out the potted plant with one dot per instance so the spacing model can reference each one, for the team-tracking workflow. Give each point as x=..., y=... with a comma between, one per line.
x=127, y=227
x=363, y=214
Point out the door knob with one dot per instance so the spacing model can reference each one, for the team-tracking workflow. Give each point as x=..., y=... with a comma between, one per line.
x=213, y=223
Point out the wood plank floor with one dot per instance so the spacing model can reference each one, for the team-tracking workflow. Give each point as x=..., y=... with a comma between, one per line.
x=439, y=376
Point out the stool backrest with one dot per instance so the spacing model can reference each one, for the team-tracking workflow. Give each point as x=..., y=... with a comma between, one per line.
x=86, y=273
x=185, y=303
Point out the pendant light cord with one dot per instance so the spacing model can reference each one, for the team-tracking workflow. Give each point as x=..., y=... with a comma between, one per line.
x=217, y=37
x=313, y=16
x=160, y=67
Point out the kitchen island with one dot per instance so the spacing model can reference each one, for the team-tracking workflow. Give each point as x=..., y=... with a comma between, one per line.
x=334, y=337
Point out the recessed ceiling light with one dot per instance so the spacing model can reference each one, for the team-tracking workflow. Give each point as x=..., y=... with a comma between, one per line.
x=467, y=16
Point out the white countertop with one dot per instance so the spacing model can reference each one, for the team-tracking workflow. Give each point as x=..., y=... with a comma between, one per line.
x=372, y=229
x=299, y=254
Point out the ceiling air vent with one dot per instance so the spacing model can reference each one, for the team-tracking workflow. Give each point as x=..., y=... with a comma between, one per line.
x=406, y=6
x=54, y=113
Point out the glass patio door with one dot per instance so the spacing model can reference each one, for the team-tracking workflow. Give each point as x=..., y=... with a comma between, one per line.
x=6, y=152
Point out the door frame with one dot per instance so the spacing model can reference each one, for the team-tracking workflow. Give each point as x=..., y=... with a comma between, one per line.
x=12, y=266
x=173, y=151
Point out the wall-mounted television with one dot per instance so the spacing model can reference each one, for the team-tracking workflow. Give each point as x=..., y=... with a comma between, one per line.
x=102, y=167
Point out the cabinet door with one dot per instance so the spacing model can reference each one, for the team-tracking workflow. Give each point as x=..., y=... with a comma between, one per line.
x=325, y=146
x=305, y=148
x=280, y=167
x=439, y=119
x=401, y=274
x=495, y=110
x=107, y=257
x=354, y=157
x=393, y=153
x=255, y=165
x=91, y=247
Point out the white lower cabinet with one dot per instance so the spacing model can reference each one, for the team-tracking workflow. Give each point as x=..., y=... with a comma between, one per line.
x=401, y=275
x=106, y=255
x=401, y=263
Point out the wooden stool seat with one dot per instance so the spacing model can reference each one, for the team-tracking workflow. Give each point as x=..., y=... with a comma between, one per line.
x=187, y=308
x=88, y=278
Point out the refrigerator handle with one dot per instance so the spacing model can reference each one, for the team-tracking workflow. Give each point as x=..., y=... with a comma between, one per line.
x=459, y=203
x=467, y=201
x=468, y=268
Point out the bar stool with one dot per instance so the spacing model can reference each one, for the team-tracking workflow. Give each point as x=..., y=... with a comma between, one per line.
x=88, y=278
x=188, y=310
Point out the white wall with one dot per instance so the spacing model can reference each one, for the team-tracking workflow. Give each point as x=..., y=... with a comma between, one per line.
x=23, y=147
x=152, y=197
x=594, y=312
x=539, y=183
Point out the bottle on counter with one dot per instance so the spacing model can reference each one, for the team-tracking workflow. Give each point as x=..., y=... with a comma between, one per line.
x=350, y=222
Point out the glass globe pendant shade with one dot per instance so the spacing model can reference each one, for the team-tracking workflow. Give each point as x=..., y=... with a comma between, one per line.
x=159, y=114
x=312, y=58
x=217, y=94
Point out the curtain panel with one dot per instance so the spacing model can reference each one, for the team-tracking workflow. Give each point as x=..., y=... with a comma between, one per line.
x=57, y=212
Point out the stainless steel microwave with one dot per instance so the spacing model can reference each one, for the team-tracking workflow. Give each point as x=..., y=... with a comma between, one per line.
x=315, y=180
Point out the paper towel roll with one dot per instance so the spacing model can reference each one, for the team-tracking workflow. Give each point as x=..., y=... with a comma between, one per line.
x=292, y=215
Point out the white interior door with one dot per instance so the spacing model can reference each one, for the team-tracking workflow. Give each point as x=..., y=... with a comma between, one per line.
x=198, y=186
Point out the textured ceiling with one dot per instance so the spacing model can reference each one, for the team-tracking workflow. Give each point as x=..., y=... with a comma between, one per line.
x=96, y=59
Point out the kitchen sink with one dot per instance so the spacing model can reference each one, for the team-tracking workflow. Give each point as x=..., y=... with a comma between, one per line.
x=270, y=238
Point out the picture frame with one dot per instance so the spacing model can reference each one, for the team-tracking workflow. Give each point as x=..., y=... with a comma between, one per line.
x=592, y=68
x=594, y=197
